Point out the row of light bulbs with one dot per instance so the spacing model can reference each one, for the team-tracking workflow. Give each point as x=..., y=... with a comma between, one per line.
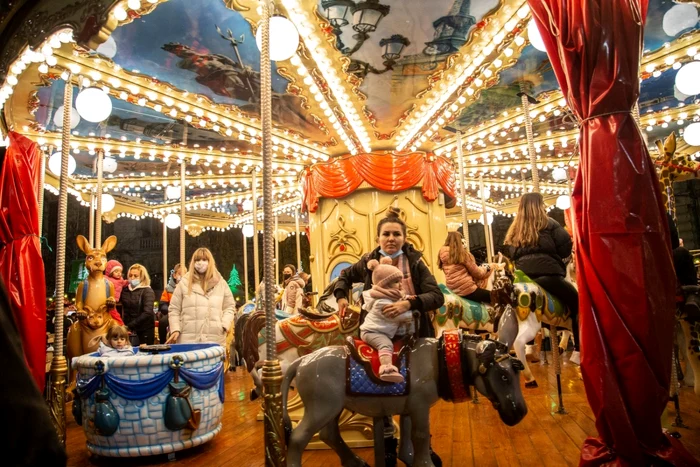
x=304, y=23
x=463, y=71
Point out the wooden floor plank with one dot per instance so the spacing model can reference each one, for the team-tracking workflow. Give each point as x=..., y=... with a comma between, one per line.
x=464, y=435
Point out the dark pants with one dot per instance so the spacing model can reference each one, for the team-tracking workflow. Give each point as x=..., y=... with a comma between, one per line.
x=146, y=336
x=479, y=295
x=568, y=295
x=163, y=328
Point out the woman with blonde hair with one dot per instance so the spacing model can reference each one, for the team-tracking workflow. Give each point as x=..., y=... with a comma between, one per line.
x=137, y=305
x=539, y=246
x=462, y=275
x=202, y=306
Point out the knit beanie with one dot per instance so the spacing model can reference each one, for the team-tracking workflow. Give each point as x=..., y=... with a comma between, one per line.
x=113, y=264
x=383, y=272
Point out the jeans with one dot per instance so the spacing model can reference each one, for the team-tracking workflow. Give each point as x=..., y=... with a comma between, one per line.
x=568, y=295
x=479, y=295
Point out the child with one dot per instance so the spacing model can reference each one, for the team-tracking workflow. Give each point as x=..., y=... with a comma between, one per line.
x=116, y=343
x=377, y=330
x=113, y=273
x=462, y=275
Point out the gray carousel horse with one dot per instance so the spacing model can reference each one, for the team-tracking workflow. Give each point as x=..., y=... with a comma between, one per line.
x=325, y=389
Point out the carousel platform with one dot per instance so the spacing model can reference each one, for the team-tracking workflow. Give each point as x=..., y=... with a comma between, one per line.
x=463, y=434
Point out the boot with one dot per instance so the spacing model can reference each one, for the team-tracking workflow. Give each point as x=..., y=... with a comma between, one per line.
x=390, y=447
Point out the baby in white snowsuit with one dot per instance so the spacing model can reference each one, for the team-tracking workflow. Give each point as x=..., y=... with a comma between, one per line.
x=377, y=329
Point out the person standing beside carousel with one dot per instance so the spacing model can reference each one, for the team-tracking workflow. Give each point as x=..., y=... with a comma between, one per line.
x=419, y=284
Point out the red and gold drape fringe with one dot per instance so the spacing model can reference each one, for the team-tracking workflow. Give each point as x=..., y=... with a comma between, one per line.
x=342, y=176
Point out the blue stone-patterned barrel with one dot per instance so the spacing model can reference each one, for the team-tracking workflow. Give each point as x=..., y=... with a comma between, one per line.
x=141, y=430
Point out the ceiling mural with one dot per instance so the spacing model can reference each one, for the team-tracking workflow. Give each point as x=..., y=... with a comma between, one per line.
x=209, y=51
x=411, y=42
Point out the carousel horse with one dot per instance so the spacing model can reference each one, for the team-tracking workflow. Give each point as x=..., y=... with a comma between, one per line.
x=434, y=368
x=300, y=334
x=234, y=343
x=92, y=300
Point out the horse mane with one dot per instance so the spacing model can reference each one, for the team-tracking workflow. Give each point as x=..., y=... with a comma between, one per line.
x=256, y=322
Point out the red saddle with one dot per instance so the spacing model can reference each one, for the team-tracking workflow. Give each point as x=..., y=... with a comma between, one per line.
x=368, y=356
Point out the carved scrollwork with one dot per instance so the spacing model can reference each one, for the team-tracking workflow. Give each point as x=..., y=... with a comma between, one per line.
x=344, y=241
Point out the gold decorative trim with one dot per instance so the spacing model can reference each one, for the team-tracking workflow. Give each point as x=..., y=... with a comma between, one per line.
x=235, y=5
x=354, y=210
x=335, y=205
x=342, y=239
x=415, y=205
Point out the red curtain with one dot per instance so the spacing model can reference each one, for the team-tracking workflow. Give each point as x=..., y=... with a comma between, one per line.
x=385, y=172
x=626, y=278
x=21, y=265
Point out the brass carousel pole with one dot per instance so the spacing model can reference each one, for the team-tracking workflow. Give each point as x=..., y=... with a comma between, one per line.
x=256, y=260
x=98, y=214
x=462, y=188
x=298, y=237
x=91, y=229
x=275, y=450
x=59, y=367
x=277, y=251
x=487, y=235
x=245, y=264
x=183, y=192
x=553, y=336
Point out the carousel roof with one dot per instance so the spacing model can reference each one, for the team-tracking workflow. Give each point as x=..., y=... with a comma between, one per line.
x=387, y=77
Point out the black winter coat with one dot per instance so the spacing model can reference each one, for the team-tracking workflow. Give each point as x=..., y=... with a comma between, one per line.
x=429, y=297
x=545, y=258
x=138, y=308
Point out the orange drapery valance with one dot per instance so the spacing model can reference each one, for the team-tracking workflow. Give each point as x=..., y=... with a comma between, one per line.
x=385, y=172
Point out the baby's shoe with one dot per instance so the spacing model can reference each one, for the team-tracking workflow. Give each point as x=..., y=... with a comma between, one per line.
x=390, y=374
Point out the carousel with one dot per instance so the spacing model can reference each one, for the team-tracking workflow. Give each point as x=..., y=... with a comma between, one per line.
x=281, y=135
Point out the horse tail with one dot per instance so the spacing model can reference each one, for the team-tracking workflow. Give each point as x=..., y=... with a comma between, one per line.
x=288, y=377
x=252, y=328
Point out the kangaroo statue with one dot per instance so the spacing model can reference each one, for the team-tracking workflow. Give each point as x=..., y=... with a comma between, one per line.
x=93, y=298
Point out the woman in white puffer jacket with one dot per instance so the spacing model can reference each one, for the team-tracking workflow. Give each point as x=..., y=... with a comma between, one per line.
x=202, y=307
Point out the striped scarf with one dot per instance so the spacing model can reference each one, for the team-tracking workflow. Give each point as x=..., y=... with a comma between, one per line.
x=401, y=262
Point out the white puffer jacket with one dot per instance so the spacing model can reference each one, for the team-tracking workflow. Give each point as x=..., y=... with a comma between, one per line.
x=200, y=316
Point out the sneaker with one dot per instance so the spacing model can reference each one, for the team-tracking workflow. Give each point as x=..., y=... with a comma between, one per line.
x=575, y=357
x=390, y=374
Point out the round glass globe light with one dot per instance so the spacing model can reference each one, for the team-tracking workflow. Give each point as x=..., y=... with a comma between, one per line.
x=563, y=202
x=108, y=48
x=247, y=205
x=533, y=34
x=485, y=193
x=284, y=38
x=248, y=230
x=58, y=118
x=691, y=135
x=687, y=80
x=55, y=164
x=93, y=104
x=679, y=18
x=559, y=174
x=109, y=164
x=172, y=192
x=108, y=202
x=489, y=218
x=172, y=221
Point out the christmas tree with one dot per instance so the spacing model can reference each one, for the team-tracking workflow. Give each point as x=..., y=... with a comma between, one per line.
x=234, y=282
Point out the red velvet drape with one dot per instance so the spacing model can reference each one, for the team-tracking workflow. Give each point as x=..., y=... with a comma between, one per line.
x=626, y=278
x=385, y=172
x=21, y=265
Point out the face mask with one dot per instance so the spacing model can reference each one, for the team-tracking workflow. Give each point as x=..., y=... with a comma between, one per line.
x=201, y=266
x=286, y=276
x=395, y=255
x=135, y=282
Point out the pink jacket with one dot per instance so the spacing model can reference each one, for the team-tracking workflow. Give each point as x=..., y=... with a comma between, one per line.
x=464, y=278
x=119, y=284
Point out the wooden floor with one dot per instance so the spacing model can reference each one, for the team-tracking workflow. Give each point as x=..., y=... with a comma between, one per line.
x=463, y=434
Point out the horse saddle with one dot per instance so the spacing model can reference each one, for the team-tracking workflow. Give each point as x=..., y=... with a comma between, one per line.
x=363, y=368
x=531, y=297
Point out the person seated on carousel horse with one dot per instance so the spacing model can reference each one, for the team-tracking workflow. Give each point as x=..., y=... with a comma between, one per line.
x=462, y=275
x=538, y=246
x=164, y=303
x=682, y=258
x=293, y=296
x=378, y=329
x=418, y=282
